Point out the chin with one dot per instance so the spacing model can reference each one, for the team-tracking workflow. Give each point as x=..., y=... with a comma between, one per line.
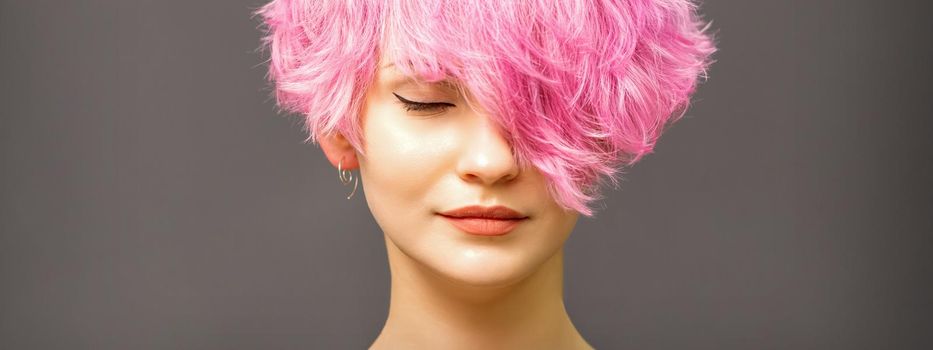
x=483, y=268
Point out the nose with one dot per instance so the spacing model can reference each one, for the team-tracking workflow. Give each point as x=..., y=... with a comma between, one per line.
x=486, y=157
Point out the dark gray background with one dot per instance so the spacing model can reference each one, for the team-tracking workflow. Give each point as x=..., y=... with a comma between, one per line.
x=153, y=199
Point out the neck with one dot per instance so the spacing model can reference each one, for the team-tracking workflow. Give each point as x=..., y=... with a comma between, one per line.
x=429, y=311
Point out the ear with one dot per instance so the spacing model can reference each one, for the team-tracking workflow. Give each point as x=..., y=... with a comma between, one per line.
x=336, y=148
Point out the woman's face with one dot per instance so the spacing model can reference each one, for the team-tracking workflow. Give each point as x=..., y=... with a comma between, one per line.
x=423, y=162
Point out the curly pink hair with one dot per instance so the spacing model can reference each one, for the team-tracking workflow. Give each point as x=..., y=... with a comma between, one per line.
x=578, y=87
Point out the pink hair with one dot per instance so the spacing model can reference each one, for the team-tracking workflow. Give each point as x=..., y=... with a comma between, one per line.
x=578, y=87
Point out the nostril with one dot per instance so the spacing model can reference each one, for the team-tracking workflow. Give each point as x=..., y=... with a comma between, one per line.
x=488, y=171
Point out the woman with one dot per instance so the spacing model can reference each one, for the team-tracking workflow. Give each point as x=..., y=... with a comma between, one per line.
x=481, y=131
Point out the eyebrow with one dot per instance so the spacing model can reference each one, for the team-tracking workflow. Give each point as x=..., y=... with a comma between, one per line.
x=397, y=80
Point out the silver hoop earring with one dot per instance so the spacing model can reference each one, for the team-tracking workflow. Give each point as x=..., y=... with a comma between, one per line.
x=346, y=176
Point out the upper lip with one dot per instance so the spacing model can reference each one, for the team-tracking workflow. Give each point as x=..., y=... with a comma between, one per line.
x=477, y=211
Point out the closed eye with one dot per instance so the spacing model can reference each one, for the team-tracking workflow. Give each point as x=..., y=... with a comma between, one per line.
x=423, y=106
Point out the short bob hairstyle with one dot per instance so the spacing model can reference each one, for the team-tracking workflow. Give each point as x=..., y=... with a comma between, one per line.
x=577, y=87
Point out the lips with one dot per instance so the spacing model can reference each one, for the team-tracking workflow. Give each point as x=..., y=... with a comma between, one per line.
x=485, y=221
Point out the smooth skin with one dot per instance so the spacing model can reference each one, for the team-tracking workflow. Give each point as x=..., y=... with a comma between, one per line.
x=451, y=289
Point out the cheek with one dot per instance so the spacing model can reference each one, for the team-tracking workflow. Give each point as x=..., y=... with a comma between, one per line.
x=404, y=160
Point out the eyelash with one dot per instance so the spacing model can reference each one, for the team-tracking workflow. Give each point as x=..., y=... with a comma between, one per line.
x=421, y=106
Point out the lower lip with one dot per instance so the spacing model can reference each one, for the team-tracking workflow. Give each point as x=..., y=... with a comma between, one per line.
x=484, y=227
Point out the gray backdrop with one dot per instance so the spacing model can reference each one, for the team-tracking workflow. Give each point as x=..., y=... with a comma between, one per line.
x=152, y=198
